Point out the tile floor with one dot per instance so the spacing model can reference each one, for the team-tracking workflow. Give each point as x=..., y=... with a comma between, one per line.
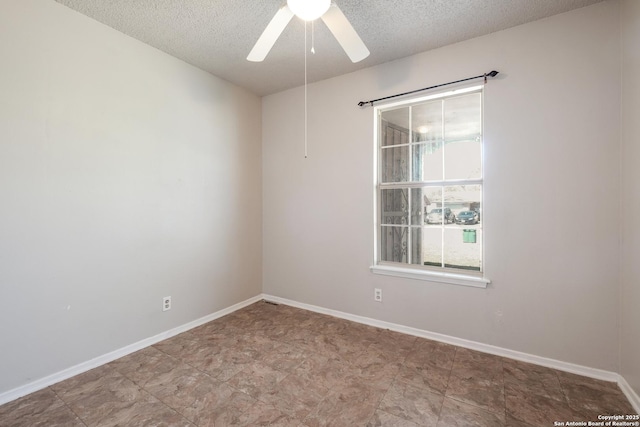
x=277, y=365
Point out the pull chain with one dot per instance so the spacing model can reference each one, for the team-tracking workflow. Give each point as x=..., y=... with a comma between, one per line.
x=313, y=51
x=305, y=90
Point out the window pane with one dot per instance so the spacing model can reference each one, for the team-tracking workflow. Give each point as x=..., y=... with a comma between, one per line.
x=395, y=206
x=427, y=161
x=393, y=243
x=432, y=246
x=463, y=242
x=463, y=198
x=395, y=164
x=433, y=205
x=462, y=117
x=463, y=136
x=394, y=127
x=426, y=121
x=416, y=245
x=418, y=206
x=463, y=247
x=462, y=159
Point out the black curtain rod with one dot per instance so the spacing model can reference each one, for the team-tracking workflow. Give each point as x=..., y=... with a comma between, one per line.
x=489, y=74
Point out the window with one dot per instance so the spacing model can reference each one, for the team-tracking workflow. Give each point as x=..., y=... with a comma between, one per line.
x=429, y=188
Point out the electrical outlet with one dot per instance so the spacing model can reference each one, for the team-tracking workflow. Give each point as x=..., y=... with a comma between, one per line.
x=166, y=303
x=377, y=294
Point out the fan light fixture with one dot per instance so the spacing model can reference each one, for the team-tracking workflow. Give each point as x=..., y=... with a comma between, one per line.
x=309, y=10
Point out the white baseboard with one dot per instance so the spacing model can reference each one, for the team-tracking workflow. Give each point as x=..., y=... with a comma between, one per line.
x=633, y=397
x=473, y=345
x=42, y=383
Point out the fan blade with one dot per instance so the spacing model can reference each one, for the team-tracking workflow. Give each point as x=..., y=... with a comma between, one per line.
x=345, y=34
x=270, y=34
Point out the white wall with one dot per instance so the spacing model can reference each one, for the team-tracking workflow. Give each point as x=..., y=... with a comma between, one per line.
x=630, y=296
x=551, y=209
x=125, y=175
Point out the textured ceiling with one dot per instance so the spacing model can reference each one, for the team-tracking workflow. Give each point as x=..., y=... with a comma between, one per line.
x=217, y=35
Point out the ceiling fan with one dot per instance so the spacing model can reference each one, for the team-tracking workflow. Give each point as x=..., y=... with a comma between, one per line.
x=310, y=10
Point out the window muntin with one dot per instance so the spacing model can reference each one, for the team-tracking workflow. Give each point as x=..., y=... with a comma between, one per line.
x=429, y=155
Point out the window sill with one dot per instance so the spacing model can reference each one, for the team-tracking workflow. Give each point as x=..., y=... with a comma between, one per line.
x=431, y=276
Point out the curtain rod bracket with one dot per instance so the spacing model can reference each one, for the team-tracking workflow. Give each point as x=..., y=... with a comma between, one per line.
x=492, y=73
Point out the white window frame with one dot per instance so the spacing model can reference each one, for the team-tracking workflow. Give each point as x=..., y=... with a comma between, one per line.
x=410, y=271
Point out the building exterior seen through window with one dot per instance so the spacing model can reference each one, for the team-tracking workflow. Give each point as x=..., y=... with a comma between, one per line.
x=429, y=185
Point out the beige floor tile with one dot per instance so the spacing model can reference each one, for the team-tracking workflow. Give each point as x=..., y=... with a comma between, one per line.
x=42, y=408
x=189, y=391
x=103, y=397
x=413, y=404
x=428, y=378
x=458, y=414
x=256, y=378
x=478, y=388
x=590, y=398
x=536, y=409
x=145, y=365
x=262, y=414
x=534, y=379
x=349, y=404
x=385, y=419
x=427, y=353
